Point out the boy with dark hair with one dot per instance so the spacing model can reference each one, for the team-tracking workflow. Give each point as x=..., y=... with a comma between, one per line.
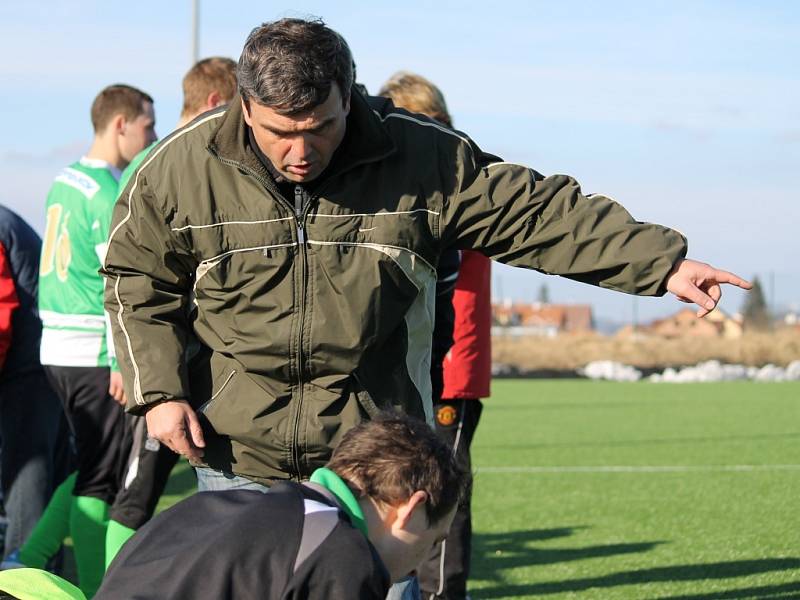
x=370, y=517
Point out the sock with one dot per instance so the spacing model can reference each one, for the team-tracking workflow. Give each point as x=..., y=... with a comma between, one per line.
x=88, y=524
x=116, y=536
x=51, y=529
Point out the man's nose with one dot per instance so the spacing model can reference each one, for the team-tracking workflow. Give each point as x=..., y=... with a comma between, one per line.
x=301, y=148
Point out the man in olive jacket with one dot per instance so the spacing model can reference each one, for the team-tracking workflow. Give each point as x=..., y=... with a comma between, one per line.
x=297, y=234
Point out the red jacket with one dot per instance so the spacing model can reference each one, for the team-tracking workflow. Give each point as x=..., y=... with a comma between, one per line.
x=8, y=304
x=468, y=365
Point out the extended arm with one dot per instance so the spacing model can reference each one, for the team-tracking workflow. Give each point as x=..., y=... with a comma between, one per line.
x=516, y=216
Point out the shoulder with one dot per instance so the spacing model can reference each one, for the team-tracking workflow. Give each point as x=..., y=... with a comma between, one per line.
x=346, y=560
x=183, y=151
x=82, y=180
x=192, y=137
x=401, y=122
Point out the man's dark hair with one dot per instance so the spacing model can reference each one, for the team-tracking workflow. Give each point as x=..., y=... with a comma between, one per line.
x=117, y=99
x=391, y=457
x=291, y=64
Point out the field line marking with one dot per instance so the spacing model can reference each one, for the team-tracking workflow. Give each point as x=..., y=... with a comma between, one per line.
x=639, y=469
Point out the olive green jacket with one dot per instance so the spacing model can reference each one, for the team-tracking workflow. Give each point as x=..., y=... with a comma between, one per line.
x=318, y=309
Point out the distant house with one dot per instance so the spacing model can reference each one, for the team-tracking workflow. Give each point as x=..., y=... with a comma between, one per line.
x=685, y=323
x=543, y=319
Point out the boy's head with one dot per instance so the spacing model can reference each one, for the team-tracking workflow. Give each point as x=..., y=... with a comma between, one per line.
x=416, y=94
x=124, y=116
x=210, y=83
x=408, y=483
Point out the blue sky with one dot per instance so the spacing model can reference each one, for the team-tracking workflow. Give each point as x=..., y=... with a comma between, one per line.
x=686, y=112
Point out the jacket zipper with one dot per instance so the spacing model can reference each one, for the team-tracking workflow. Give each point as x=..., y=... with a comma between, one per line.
x=299, y=210
x=302, y=203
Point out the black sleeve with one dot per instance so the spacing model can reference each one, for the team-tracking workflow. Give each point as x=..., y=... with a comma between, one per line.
x=345, y=565
x=445, y=316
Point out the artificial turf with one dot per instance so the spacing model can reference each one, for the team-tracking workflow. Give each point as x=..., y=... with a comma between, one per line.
x=554, y=517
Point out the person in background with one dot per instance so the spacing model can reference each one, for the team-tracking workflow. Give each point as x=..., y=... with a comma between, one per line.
x=467, y=366
x=209, y=84
x=35, y=455
x=75, y=344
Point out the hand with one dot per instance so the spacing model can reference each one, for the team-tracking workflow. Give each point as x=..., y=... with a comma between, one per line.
x=175, y=424
x=115, y=389
x=697, y=282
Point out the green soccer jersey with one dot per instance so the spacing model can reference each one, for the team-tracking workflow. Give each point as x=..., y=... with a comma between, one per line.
x=79, y=208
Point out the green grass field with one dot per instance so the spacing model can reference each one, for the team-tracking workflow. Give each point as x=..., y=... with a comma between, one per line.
x=704, y=503
x=608, y=490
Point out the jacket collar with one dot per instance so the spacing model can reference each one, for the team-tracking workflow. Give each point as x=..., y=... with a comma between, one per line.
x=346, y=499
x=366, y=139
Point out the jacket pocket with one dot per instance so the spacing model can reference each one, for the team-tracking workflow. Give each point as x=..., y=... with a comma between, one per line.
x=207, y=404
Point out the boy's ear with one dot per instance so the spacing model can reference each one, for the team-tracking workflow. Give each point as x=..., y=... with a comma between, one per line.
x=405, y=511
x=214, y=100
x=118, y=123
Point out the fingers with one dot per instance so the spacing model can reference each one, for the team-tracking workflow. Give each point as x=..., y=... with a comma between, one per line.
x=694, y=294
x=181, y=443
x=117, y=392
x=728, y=277
x=195, y=429
x=715, y=293
x=175, y=424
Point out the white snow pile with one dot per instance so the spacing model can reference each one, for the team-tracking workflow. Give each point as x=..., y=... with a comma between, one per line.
x=711, y=370
x=608, y=369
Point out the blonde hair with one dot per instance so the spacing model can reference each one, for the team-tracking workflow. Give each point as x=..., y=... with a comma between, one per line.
x=416, y=94
x=215, y=74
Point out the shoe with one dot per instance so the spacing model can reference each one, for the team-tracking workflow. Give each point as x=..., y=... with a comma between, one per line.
x=12, y=561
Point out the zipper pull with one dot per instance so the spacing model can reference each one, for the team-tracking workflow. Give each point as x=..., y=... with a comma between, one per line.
x=298, y=213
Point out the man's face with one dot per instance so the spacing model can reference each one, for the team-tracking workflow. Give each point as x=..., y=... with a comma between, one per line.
x=138, y=133
x=299, y=146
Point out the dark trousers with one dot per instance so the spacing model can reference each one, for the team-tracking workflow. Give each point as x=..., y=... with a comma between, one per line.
x=148, y=467
x=444, y=574
x=36, y=454
x=98, y=427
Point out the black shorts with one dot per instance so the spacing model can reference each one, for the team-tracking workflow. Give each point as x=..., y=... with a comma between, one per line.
x=147, y=471
x=98, y=426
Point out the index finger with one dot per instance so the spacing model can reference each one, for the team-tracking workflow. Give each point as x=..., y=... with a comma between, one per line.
x=728, y=277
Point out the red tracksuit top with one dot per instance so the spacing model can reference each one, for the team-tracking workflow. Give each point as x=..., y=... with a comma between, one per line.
x=468, y=365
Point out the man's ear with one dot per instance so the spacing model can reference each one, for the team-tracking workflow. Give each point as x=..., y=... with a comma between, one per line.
x=246, y=112
x=405, y=511
x=347, y=104
x=214, y=100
